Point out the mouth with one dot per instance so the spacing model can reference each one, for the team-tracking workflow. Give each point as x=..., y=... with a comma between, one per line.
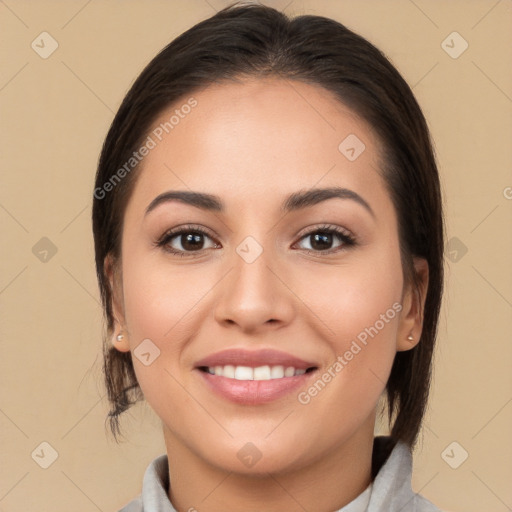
x=254, y=377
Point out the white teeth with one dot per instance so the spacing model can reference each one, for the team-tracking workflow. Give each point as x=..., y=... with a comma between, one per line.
x=228, y=371
x=277, y=372
x=244, y=373
x=289, y=372
x=259, y=373
x=262, y=373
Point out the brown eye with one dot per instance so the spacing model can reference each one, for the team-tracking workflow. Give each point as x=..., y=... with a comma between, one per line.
x=191, y=241
x=185, y=240
x=321, y=240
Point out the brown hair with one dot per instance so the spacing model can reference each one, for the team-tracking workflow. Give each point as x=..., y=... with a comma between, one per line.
x=256, y=41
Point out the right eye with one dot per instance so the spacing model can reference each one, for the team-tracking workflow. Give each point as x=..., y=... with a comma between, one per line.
x=183, y=240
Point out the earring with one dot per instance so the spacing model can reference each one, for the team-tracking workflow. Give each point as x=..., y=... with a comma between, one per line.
x=410, y=337
x=120, y=337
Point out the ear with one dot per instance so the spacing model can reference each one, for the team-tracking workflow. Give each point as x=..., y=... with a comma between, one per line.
x=112, y=272
x=413, y=303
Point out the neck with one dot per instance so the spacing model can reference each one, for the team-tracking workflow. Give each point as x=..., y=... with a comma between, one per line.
x=330, y=482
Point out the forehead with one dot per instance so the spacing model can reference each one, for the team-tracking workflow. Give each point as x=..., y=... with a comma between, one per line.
x=259, y=139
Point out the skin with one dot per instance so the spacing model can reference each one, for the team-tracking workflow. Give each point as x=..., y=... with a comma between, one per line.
x=252, y=144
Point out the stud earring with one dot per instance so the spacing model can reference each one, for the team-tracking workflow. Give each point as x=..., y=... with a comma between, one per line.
x=120, y=337
x=410, y=337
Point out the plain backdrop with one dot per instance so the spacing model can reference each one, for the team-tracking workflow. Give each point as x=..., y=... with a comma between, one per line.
x=55, y=112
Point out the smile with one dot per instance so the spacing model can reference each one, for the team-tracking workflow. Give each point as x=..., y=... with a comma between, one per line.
x=253, y=377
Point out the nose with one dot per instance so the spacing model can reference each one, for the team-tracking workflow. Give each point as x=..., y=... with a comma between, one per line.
x=255, y=295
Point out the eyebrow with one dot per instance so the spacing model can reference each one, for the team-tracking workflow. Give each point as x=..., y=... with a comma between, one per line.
x=296, y=201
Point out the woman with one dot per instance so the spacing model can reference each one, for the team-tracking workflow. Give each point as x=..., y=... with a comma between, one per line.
x=269, y=243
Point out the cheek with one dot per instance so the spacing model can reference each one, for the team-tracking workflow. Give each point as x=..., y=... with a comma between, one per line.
x=160, y=301
x=166, y=304
x=357, y=309
x=349, y=298
x=359, y=313
x=367, y=310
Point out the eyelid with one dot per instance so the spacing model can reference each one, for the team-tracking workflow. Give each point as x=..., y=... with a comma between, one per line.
x=178, y=230
x=326, y=227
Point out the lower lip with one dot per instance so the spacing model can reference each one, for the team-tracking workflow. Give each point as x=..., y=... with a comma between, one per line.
x=254, y=392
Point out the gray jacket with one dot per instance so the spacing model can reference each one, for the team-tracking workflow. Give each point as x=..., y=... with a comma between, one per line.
x=390, y=490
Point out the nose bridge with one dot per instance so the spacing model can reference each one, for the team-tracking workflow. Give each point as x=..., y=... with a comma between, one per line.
x=253, y=294
x=252, y=262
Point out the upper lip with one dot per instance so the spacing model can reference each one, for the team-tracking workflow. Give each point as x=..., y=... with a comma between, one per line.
x=254, y=358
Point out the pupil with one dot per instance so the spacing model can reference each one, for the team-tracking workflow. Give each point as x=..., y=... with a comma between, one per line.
x=190, y=239
x=327, y=240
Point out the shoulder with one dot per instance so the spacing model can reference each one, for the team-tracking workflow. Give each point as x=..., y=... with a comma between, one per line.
x=155, y=486
x=392, y=491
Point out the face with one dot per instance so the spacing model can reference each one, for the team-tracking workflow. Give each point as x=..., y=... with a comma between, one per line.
x=258, y=278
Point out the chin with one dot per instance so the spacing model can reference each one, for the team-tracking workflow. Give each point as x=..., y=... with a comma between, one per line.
x=256, y=458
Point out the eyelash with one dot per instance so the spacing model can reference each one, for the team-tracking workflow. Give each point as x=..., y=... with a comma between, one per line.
x=347, y=239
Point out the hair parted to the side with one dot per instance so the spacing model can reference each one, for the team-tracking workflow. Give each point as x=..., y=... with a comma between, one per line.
x=251, y=41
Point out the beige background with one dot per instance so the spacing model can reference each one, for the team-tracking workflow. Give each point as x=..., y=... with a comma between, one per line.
x=55, y=114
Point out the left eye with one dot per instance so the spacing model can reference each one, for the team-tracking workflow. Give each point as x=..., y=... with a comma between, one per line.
x=319, y=240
